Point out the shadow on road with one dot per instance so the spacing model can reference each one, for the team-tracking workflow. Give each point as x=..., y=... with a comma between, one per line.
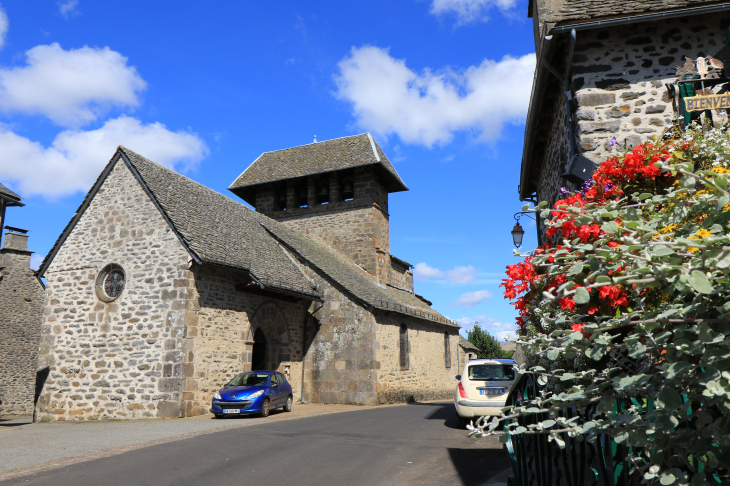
x=251, y=416
x=471, y=464
x=444, y=411
x=15, y=421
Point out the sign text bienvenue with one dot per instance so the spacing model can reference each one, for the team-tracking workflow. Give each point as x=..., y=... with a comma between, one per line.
x=709, y=102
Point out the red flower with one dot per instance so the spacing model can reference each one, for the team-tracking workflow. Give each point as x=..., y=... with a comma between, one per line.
x=567, y=303
x=593, y=310
x=577, y=327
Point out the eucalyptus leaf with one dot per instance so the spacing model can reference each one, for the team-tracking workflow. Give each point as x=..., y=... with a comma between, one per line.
x=699, y=281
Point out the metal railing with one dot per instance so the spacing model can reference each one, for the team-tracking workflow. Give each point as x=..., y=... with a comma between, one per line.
x=599, y=461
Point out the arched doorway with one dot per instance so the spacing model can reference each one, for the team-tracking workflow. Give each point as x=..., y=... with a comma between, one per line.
x=258, y=356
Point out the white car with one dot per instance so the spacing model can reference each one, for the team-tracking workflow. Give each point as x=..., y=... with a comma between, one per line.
x=482, y=389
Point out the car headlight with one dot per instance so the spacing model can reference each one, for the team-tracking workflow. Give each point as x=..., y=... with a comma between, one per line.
x=256, y=394
x=217, y=396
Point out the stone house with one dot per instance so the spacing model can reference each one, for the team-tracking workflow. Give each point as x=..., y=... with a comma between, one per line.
x=21, y=309
x=467, y=351
x=602, y=72
x=160, y=290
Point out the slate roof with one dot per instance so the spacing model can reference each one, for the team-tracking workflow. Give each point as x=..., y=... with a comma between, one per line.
x=563, y=11
x=218, y=229
x=7, y=194
x=317, y=158
x=466, y=345
x=352, y=278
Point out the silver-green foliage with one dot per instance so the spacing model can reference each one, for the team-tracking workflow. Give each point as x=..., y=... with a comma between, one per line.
x=669, y=349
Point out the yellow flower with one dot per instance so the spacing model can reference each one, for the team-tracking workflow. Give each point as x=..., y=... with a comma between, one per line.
x=703, y=233
x=720, y=170
x=726, y=207
x=669, y=228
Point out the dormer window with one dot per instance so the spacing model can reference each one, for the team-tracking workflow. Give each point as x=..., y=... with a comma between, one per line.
x=323, y=193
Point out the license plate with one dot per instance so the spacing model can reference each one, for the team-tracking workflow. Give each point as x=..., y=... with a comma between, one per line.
x=232, y=410
x=491, y=392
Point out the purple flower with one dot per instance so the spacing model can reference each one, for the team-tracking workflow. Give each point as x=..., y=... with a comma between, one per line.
x=612, y=142
x=564, y=191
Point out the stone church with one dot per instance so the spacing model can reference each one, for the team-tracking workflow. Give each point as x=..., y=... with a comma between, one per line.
x=160, y=290
x=602, y=76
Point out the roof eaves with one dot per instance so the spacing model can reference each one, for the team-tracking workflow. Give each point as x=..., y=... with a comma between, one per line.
x=133, y=169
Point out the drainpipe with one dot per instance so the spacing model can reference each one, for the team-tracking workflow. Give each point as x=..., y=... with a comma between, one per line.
x=304, y=356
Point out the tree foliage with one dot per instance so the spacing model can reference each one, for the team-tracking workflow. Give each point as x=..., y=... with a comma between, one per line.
x=634, y=303
x=487, y=344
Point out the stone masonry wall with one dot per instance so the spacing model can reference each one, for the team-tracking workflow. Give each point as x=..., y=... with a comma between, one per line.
x=123, y=359
x=223, y=334
x=339, y=366
x=619, y=77
x=21, y=311
x=359, y=234
x=556, y=158
x=427, y=377
x=400, y=276
x=618, y=83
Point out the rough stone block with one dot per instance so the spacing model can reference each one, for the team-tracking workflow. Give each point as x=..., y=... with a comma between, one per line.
x=596, y=99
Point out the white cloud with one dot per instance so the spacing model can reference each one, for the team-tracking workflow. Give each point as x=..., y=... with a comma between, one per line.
x=75, y=158
x=422, y=272
x=68, y=8
x=35, y=261
x=462, y=275
x=501, y=330
x=389, y=98
x=71, y=87
x=3, y=26
x=467, y=11
x=470, y=299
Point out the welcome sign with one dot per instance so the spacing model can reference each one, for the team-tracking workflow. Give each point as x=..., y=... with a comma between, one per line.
x=708, y=102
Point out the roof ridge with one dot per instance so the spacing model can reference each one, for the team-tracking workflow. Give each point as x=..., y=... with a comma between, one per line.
x=172, y=171
x=313, y=143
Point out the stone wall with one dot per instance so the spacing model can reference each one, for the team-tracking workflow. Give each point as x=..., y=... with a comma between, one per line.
x=557, y=155
x=427, y=377
x=620, y=76
x=339, y=366
x=21, y=312
x=358, y=234
x=125, y=358
x=400, y=276
x=224, y=328
x=618, y=82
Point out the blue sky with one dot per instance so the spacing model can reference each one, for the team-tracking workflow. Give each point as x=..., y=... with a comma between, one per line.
x=206, y=87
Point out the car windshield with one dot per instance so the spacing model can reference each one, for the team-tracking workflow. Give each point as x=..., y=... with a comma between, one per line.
x=250, y=379
x=494, y=372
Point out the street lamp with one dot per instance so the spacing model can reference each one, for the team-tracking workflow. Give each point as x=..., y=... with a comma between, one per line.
x=517, y=231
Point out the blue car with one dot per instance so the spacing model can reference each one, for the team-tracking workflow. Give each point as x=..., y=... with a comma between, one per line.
x=253, y=392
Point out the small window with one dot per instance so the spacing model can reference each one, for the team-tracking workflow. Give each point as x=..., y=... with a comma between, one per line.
x=282, y=379
x=405, y=347
x=110, y=282
x=348, y=190
x=447, y=349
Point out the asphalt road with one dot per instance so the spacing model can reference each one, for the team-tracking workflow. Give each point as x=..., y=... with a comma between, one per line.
x=413, y=444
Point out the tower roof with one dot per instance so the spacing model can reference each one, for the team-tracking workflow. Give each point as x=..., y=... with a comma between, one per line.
x=318, y=158
x=10, y=197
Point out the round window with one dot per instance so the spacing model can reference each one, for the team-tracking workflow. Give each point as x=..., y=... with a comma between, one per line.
x=110, y=282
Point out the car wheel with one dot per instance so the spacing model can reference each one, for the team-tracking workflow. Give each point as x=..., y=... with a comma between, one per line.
x=265, y=408
x=287, y=407
x=461, y=422
x=219, y=415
